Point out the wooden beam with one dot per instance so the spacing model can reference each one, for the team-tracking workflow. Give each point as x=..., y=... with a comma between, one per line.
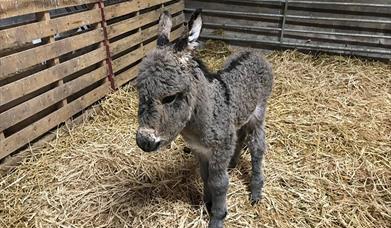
x=128, y=7
x=56, y=60
x=11, y=162
x=51, y=97
x=141, y=20
x=43, y=78
x=52, y=120
x=22, y=60
x=126, y=76
x=137, y=38
x=13, y=8
x=131, y=73
x=26, y=33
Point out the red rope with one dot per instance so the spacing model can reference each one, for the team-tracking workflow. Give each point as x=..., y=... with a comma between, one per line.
x=109, y=60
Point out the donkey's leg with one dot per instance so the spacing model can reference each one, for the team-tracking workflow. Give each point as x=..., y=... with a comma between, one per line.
x=218, y=183
x=218, y=186
x=240, y=142
x=257, y=147
x=204, y=172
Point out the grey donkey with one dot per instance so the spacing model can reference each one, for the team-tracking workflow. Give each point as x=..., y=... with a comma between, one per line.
x=217, y=114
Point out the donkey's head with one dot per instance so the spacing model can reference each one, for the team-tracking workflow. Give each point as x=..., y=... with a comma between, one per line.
x=165, y=85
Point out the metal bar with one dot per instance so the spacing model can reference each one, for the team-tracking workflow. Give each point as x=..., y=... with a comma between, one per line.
x=340, y=19
x=283, y=21
x=307, y=2
x=109, y=60
x=339, y=34
x=261, y=29
x=304, y=46
x=241, y=14
x=245, y=1
x=241, y=27
x=233, y=13
x=341, y=3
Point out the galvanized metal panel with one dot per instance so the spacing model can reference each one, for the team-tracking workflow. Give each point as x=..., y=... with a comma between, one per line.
x=359, y=27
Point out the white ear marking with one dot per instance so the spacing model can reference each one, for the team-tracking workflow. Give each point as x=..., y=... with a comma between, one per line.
x=196, y=29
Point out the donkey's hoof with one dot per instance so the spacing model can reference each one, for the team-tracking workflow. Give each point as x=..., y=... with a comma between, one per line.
x=186, y=150
x=255, y=199
x=216, y=223
x=208, y=206
x=232, y=164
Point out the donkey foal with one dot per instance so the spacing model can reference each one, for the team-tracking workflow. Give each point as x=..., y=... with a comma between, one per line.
x=216, y=114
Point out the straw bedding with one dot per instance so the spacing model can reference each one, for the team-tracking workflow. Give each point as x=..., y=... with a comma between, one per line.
x=328, y=162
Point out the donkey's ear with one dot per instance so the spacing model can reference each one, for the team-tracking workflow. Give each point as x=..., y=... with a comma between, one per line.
x=195, y=27
x=189, y=40
x=165, y=25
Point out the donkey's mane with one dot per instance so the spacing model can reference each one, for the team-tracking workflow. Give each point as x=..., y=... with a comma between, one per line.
x=208, y=75
x=214, y=76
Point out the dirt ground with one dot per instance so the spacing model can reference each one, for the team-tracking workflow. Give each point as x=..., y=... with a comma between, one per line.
x=328, y=162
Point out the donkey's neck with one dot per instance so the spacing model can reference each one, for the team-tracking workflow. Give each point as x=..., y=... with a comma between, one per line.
x=210, y=101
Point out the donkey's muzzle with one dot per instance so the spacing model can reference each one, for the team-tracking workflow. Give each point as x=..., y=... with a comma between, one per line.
x=147, y=140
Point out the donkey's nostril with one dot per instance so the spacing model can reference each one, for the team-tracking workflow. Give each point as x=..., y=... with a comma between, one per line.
x=146, y=142
x=157, y=144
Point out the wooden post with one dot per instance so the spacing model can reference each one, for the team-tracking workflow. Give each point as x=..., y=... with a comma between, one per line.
x=45, y=16
x=140, y=31
x=102, y=43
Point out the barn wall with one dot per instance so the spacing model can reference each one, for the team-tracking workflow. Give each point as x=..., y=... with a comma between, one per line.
x=57, y=58
x=359, y=27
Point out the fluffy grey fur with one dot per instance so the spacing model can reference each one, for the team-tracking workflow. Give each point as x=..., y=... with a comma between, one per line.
x=216, y=114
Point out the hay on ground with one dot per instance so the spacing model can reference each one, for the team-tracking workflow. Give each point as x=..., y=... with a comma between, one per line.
x=328, y=163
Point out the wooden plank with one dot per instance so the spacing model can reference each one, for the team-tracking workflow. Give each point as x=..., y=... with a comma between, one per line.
x=139, y=53
x=128, y=7
x=14, y=8
x=11, y=162
x=25, y=34
x=127, y=59
x=121, y=9
x=125, y=43
x=45, y=100
x=139, y=37
x=22, y=60
x=33, y=131
x=55, y=61
x=130, y=74
x=141, y=20
x=43, y=78
x=177, y=33
x=126, y=76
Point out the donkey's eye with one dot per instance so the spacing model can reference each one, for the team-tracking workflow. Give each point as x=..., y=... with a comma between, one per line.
x=169, y=99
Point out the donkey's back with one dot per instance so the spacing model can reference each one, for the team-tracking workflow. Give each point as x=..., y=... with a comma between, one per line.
x=249, y=78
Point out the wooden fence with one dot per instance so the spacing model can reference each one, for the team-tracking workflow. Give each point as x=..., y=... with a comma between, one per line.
x=355, y=27
x=55, y=63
